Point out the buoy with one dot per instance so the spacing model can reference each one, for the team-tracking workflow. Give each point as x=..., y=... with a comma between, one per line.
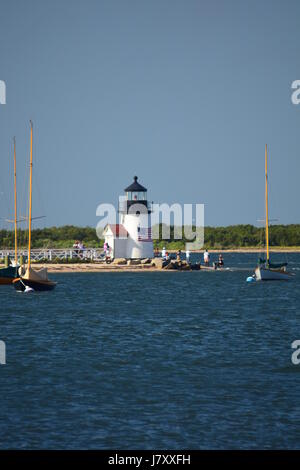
x=250, y=279
x=28, y=289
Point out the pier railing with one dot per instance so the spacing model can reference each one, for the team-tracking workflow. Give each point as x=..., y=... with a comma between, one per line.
x=51, y=254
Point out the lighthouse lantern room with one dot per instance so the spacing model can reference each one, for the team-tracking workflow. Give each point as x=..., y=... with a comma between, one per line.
x=135, y=218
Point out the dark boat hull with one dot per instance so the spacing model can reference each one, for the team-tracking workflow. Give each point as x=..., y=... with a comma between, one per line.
x=7, y=275
x=4, y=281
x=20, y=285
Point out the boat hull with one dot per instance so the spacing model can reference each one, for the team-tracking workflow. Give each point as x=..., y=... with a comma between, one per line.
x=20, y=285
x=7, y=275
x=264, y=274
x=4, y=281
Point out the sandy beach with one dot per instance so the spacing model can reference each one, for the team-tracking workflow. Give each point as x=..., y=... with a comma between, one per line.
x=95, y=268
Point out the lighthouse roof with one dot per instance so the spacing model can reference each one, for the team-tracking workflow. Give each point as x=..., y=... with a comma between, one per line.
x=135, y=186
x=118, y=230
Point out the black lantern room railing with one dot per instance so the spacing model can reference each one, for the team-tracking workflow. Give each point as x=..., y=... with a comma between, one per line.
x=124, y=206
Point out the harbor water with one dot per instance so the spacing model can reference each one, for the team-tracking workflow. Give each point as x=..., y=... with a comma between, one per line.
x=145, y=360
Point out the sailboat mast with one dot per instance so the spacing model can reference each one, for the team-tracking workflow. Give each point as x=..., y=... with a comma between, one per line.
x=267, y=210
x=15, y=186
x=30, y=198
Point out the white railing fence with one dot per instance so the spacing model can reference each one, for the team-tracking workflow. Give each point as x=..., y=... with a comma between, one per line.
x=51, y=254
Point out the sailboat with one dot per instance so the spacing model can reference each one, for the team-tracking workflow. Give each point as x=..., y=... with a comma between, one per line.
x=9, y=273
x=267, y=271
x=32, y=279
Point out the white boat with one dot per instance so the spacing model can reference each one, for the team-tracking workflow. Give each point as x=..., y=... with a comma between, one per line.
x=267, y=271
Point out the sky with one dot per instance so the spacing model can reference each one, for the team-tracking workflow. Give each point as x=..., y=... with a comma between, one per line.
x=183, y=93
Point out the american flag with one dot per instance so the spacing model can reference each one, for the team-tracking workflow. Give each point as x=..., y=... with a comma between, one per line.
x=145, y=234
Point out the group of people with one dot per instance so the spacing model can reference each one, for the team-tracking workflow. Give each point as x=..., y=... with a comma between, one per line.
x=78, y=247
x=206, y=257
x=164, y=254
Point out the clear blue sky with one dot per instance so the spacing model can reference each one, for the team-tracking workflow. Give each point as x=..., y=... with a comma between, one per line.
x=185, y=94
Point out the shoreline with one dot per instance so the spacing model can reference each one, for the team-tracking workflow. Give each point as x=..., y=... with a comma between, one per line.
x=105, y=268
x=293, y=249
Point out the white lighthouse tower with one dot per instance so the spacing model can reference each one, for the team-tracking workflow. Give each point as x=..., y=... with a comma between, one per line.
x=131, y=238
x=135, y=217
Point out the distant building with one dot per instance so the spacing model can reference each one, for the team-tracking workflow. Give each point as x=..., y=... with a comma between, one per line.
x=132, y=239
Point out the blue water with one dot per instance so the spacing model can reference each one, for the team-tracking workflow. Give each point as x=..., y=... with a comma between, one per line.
x=198, y=360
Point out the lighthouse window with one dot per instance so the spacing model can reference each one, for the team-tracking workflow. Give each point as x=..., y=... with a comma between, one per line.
x=136, y=196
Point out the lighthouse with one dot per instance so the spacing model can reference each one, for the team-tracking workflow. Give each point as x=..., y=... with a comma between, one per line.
x=132, y=238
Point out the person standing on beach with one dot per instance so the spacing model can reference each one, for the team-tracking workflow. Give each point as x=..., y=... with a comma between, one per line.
x=206, y=257
x=107, y=252
x=187, y=256
x=163, y=252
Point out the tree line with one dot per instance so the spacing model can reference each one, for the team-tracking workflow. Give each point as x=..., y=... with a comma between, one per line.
x=233, y=236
